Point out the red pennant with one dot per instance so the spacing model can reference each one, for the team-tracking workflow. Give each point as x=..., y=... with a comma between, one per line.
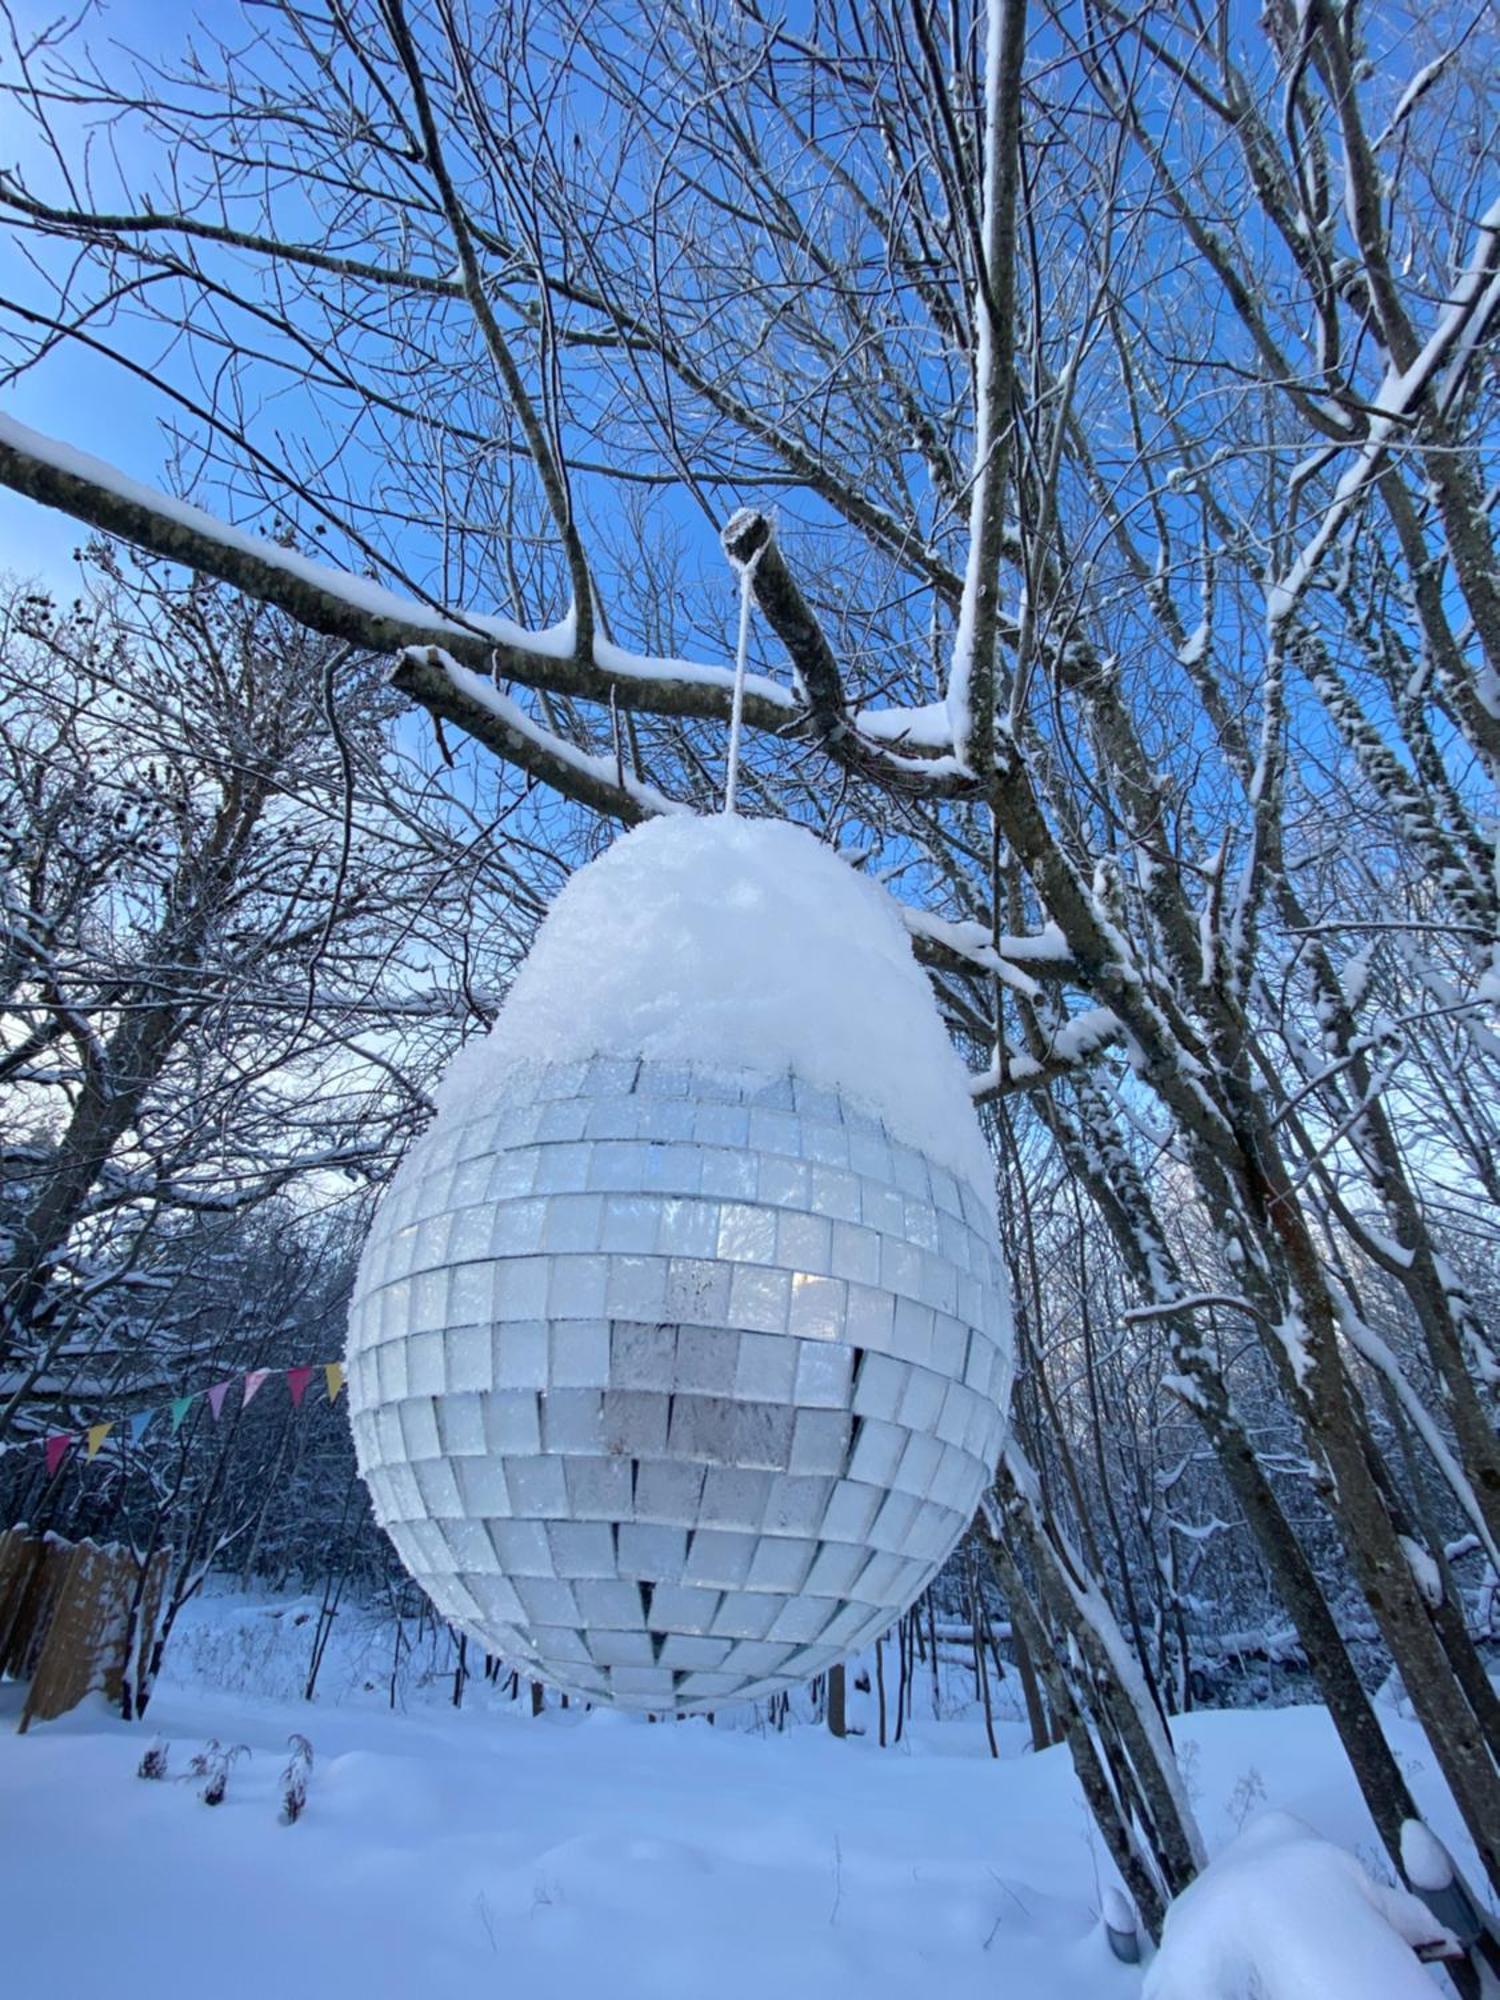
x=253, y=1382
x=58, y=1446
x=297, y=1380
x=216, y=1397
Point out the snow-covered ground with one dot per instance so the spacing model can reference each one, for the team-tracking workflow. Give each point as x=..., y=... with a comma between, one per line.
x=452, y=1852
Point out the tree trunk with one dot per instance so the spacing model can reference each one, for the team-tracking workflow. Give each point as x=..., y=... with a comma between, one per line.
x=837, y=1723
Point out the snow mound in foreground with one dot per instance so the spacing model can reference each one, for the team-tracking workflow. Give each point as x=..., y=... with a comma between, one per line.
x=1282, y=1914
x=746, y=944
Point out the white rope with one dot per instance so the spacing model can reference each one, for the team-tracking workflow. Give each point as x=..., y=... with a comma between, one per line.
x=737, y=714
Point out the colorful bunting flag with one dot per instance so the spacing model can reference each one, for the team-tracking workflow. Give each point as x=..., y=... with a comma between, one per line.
x=59, y=1443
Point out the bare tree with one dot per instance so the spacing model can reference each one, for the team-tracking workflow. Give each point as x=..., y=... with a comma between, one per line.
x=234, y=951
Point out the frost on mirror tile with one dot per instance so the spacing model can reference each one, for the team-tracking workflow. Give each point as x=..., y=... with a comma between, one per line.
x=675, y=1377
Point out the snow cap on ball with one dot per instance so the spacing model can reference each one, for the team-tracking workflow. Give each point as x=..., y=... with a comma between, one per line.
x=743, y=943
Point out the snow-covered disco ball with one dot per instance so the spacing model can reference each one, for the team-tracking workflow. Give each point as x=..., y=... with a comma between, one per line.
x=679, y=1353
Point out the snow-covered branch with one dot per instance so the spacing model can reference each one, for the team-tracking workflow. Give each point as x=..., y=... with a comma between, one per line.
x=361, y=611
x=1470, y=306
x=1072, y=1045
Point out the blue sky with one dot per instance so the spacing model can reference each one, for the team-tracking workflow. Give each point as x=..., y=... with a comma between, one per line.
x=73, y=395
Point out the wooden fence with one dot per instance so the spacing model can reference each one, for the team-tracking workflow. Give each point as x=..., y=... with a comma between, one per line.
x=75, y=1618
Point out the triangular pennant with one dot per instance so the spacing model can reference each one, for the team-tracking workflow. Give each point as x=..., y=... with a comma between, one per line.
x=140, y=1423
x=216, y=1397
x=333, y=1375
x=253, y=1383
x=58, y=1446
x=97, y=1433
x=297, y=1380
x=180, y=1407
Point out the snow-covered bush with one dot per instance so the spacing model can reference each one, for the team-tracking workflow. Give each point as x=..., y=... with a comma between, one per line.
x=153, y=1763
x=212, y=1764
x=294, y=1780
x=1283, y=1914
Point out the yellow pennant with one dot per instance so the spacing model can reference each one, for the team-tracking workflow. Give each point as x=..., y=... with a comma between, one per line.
x=97, y=1434
x=333, y=1375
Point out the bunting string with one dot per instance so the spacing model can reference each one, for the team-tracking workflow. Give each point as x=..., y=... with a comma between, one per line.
x=57, y=1445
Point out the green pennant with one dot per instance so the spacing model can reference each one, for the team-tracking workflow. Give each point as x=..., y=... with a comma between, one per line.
x=180, y=1407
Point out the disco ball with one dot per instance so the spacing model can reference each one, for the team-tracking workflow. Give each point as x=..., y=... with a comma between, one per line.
x=673, y=1382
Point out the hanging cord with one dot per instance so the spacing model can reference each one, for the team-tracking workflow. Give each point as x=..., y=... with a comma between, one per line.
x=737, y=713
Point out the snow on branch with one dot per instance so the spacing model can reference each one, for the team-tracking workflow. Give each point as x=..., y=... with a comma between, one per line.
x=1418, y=88
x=922, y=762
x=447, y=688
x=1366, y=1342
x=924, y=731
x=971, y=676
x=1185, y=1302
x=966, y=948
x=1096, y=1628
x=361, y=611
x=1076, y=1042
x=1470, y=306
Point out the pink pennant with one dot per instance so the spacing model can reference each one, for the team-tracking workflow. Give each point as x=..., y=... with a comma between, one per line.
x=252, y=1384
x=297, y=1380
x=216, y=1397
x=58, y=1446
